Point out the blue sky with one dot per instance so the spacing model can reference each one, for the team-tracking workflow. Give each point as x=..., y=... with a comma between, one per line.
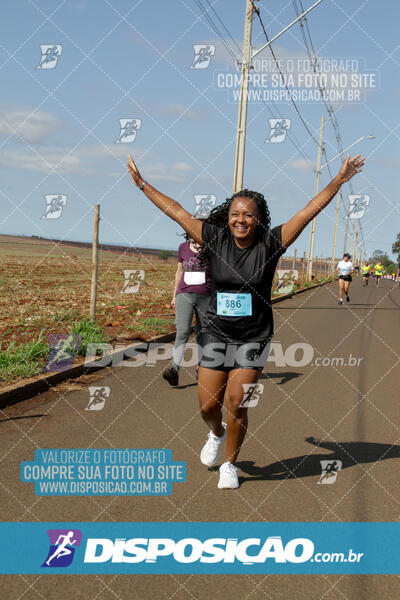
x=131, y=59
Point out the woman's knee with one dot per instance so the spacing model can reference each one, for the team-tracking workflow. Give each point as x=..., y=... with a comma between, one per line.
x=234, y=406
x=210, y=408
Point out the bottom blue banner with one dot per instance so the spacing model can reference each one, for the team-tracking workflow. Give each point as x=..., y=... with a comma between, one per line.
x=192, y=548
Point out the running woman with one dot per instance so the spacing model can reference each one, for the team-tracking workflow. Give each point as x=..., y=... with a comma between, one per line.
x=243, y=252
x=345, y=268
x=378, y=272
x=365, y=273
x=191, y=296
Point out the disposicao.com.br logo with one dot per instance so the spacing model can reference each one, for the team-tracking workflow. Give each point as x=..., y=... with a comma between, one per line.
x=62, y=547
x=212, y=550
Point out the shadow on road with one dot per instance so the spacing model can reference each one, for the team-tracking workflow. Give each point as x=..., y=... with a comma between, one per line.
x=284, y=376
x=350, y=453
x=183, y=387
x=23, y=417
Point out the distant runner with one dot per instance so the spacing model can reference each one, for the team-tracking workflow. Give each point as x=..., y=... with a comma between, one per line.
x=378, y=272
x=345, y=268
x=365, y=273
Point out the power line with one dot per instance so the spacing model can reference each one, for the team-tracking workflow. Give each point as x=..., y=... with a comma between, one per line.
x=310, y=49
x=216, y=30
x=257, y=11
x=224, y=26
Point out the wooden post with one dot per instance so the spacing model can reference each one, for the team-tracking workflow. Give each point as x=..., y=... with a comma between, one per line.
x=303, y=263
x=95, y=262
x=294, y=259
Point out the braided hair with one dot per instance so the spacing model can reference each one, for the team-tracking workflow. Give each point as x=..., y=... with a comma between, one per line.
x=219, y=216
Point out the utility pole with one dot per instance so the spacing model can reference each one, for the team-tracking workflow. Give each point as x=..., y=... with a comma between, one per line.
x=335, y=231
x=242, y=109
x=312, y=234
x=346, y=231
x=95, y=262
x=355, y=245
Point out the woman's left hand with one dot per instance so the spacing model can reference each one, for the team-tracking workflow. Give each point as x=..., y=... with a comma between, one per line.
x=134, y=171
x=350, y=167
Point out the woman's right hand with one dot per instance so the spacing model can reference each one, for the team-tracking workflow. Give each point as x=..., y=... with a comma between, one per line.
x=173, y=303
x=134, y=172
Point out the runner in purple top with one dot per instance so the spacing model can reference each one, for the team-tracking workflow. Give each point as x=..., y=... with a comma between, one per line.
x=191, y=296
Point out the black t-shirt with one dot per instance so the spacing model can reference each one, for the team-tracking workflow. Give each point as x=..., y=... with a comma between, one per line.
x=242, y=270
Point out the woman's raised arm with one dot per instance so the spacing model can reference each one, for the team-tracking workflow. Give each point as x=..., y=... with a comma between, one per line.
x=170, y=207
x=293, y=228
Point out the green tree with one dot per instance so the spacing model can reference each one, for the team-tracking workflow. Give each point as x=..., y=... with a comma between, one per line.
x=164, y=255
x=378, y=255
x=396, y=247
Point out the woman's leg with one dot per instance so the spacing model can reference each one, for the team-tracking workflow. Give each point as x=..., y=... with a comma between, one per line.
x=183, y=321
x=200, y=306
x=212, y=386
x=237, y=415
x=346, y=287
x=341, y=286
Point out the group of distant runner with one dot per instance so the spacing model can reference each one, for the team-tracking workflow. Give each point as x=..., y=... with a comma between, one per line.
x=225, y=272
x=345, y=269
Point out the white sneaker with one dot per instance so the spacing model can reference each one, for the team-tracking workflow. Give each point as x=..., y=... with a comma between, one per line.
x=228, y=477
x=212, y=448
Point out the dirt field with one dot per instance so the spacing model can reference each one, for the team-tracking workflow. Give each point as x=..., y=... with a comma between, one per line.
x=46, y=287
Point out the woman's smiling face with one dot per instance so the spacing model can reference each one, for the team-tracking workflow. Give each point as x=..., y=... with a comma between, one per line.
x=243, y=219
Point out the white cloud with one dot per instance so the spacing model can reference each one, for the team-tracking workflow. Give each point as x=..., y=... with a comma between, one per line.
x=180, y=109
x=162, y=172
x=181, y=166
x=301, y=164
x=45, y=162
x=91, y=159
x=33, y=127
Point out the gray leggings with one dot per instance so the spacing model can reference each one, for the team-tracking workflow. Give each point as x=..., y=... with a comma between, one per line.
x=185, y=305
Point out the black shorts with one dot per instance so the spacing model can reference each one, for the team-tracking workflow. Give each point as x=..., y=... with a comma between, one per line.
x=219, y=355
x=345, y=277
x=378, y=276
x=366, y=275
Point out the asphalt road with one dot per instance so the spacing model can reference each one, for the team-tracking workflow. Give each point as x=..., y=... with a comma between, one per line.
x=340, y=402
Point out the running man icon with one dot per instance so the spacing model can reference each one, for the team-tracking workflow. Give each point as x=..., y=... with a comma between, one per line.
x=330, y=470
x=62, y=542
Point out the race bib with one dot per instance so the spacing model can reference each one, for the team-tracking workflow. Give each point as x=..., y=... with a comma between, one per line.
x=234, y=305
x=194, y=277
